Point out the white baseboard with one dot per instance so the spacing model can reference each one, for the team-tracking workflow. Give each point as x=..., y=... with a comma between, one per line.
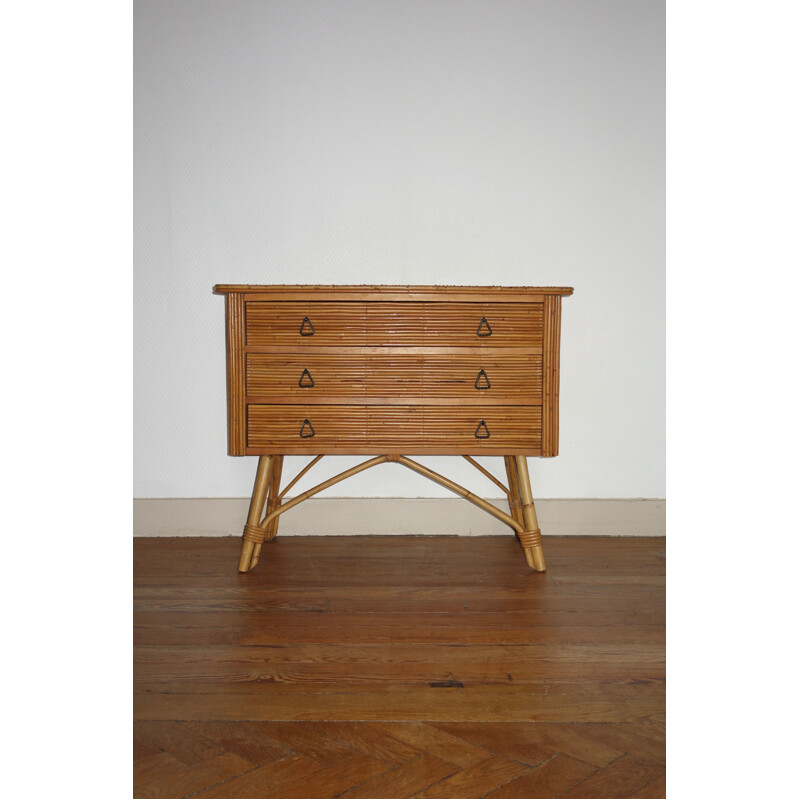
x=336, y=516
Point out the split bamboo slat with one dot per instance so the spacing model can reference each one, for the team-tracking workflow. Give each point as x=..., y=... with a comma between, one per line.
x=384, y=428
x=389, y=370
x=380, y=324
x=552, y=329
x=234, y=308
x=316, y=377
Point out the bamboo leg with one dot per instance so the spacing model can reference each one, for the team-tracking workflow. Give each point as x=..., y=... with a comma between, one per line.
x=272, y=503
x=514, y=504
x=271, y=529
x=252, y=533
x=531, y=537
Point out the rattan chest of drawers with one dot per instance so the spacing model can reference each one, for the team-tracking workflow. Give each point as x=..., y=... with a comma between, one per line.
x=387, y=371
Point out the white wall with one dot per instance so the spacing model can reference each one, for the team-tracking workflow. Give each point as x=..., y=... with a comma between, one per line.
x=419, y=141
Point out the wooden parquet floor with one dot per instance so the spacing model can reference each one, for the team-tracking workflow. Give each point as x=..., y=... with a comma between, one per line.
x=399, y=666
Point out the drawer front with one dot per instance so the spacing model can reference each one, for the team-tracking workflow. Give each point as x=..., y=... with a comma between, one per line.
x=411, y=428
x=308, y=376
x=315, y=377
x=378, y=324
x=455, y=324
x=305, y=324
x=513, y=378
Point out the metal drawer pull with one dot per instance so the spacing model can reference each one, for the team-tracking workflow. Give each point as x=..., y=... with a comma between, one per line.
x=310, y=331
x=306, y=374
x=486, y=384
x=483, y=322
x=478, y=434
x=303, y=427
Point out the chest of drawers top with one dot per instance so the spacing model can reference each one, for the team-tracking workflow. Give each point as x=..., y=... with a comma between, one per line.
x=285, y=291
x=392, y=369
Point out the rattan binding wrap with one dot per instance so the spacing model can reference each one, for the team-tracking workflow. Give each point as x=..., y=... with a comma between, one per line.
x=530, y=538
x=252, y=533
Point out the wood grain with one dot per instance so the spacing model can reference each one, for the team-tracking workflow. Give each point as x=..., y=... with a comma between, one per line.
x=399, y=666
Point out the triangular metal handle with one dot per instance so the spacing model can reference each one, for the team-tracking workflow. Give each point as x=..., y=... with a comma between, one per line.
x=306, y=424
x=307, y=331
x=306, y=374
x=481, y=324
x=482, y=432
x=485, y=384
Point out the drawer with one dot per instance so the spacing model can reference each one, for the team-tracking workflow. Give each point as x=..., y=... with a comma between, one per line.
x=512, y=378
x=379, y=428
x=315, y=377
x=301, y=324
x=455, y=324
x=378, y=324
x=306, y=376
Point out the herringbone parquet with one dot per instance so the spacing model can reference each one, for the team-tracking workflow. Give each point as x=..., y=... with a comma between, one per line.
x=397, y=759
x=399, y=667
